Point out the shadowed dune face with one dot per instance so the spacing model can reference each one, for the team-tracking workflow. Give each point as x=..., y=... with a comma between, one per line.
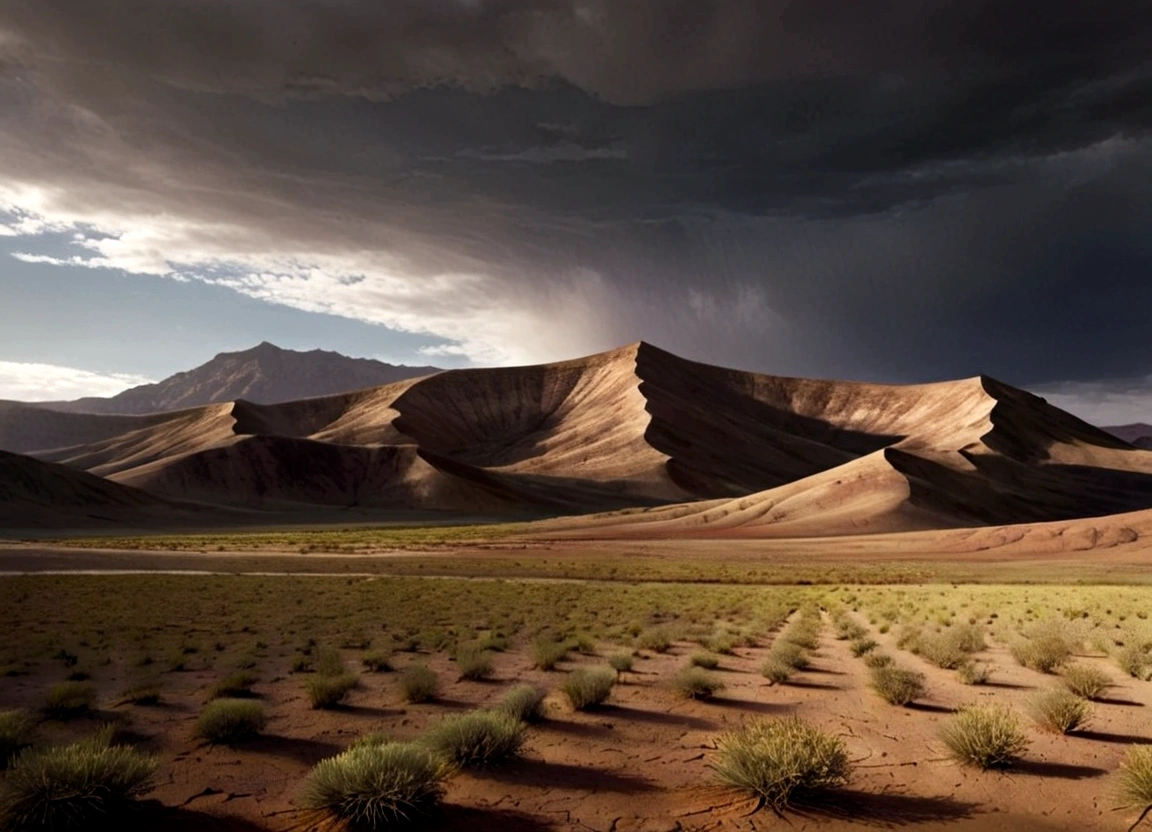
x=744, y=453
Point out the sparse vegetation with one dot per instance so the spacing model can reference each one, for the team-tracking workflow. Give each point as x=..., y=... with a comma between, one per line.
x=236, y=685
x=86, y=785
x=862, y=646
x=973, y=673
x=696, y=683
x=1135, y=781
x=523, y=702
x=896, y=685
x=1085, y=681
x=15, y=735
x=375, y=786
x=781, y=761
x=1046, y=647
x=587, y=688
x=419, y=683
x=708, y=661
x=231, y=721
x=67, y=700
x=985, y=736
x=547, y=652
x=1059, y=710
x=377, y=661
x=621, y=662
x=477, y=739
x=473, y=662
x=329, y=691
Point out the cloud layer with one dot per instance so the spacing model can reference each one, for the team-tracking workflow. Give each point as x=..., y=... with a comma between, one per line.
x=896, y=191
x=48, y=382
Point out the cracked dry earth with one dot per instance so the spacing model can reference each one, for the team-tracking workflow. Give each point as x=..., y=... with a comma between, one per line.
x=642, y=762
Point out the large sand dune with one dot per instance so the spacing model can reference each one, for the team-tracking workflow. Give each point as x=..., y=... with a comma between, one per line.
x=730, y=452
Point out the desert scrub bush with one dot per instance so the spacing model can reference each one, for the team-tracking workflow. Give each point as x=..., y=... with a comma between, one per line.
x=985, y=736
x=848, y=630
x=1085, y=681
x=69, y=699
x=1059, y=710
x=621, y=662
x=804, y=633
x=776, y=670
x=329, y=691
x=587, y=688
x=236, y=685
x=656, y=639
x=524, y=702
x=1045, y=647
x=707, y=661
x=419, y=683
x=1135, y=661
x=896, y=685
x=973, y=673
x=86, y=785
x=375, y=786
x=477, y=739
x=1135, y=778
x=144, y=692
x=15, y=735
x=793, y=655
x=377, y=661
x=696, y=683
x=948, y=648
x=876, y=659
x=862, y=646
x=781, y=760
x=547, y=653
x=473, y=662
x=229, y=721
x=329, y=662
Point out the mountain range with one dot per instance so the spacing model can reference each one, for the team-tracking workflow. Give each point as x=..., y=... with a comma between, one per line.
x=707, y=450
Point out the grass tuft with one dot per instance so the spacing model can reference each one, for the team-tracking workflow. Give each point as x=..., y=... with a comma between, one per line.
x=477, y=739
x=985, y=736
x=973, y=673
x=375, y=786
x=696, y=683
x=1135, y=784
x=230, y=721
x=15, y=735
x=1085, y=681
x=547, y=653
x=621, y=662
x=588, y=688
x=708, y=661
x=419, y=683
x=69, y=699
x=377, y=661
x=523, y=702
x=330, y=691
x=237, y=685
x=474, y=662
x=1059, y=710
x=781, y=760
x=896, y=685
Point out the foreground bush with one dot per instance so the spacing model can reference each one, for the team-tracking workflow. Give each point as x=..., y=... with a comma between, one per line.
x=1136, y=776
x=375, y=786
x=1084, y=681
x=986, y=736
x=69, y=699
x=779, y=760
x=419, y=683
x=330, y=691
x=475, y=740
x=588, y=688
x=523, y=702
x=229, y=721
x=84, y=786
x=695, y=683
x=896, y=685
x=15, y=735
x=1059, y=710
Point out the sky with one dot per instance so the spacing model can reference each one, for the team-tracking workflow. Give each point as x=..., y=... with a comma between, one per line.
x=897, y=191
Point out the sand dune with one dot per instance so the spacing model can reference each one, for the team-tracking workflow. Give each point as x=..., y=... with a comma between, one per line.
x=735, y=453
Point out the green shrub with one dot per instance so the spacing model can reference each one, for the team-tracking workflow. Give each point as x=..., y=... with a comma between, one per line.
x=1135, y=785
x=986, y=736
x=237, y=685
x=69, y=699
x=473, y=662
x=547, y=653
x=973, y=673
x=15, y=735
x=862, y=646
x=1059, y=710
x=377, y=661
x=1045, y=647
x=696, y=683
x=475, y=740
x=330, y=691
x=896, y=685
x=375, y=786
x=779, y=760
x=621, y=662
x=776, y=671
x=419, y=683
x=588, y=688
x=657, y=639
x=86, y=785
x=229, y=721
x=1085, y=681
x=704, y=660
x=524, y=702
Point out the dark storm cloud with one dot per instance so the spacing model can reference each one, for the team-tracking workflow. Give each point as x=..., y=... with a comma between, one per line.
x=899, y=190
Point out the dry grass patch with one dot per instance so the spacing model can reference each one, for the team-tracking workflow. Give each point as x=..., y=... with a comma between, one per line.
x=985, y=736
x=696, y=683
x=419, y=683
x=15, y=735
x=330, y=691
x=231, y=721
x=67, y=700
x=1135, y=780
x=475, y=740
x=523, y=702
x=1059, y=710
x=896, y=685
x=587, y=688
x=1085, y=681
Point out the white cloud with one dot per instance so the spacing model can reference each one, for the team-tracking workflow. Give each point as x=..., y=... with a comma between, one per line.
x=49, y=382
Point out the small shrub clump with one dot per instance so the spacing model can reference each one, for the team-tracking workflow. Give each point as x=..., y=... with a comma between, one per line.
x=547, y=653
x=377, y=661
x=1085, y=681
x=475, y=740
x=985, y=736
x=1059, y=710
x=473, y=662
x=588, y=688
x=896, y=685
x=862, y=646
x=781, y=760
x=237, y=685
x=1135, y=661
x=89, y=784
x=15, y=735
x=230, y=721
x=1046, y=647
x=708, y=661
x=329, y=691
x=375, y=786
x=419, y=683
x=776, y=670
x=523, y=702
x=876, y=659
x=1135, y=784
x=621, y=662
x=973, y=673
x=696, y=683
x=69, y=699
